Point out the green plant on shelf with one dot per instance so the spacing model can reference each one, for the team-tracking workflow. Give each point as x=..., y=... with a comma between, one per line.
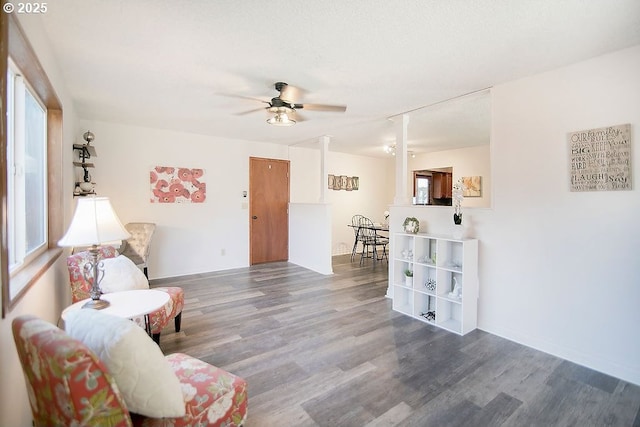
x=408, y=273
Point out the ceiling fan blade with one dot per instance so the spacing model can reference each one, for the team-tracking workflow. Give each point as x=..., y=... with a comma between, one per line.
x=250, y=111
x=298, y=117
x=323, y=107
x=231, y=95
x=291, y=94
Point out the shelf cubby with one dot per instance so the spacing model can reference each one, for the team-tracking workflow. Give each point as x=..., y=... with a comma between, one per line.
x=424, y=305
x=403, y=299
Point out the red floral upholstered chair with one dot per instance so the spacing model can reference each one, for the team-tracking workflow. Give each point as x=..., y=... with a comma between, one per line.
x=69, y=385
x=159, y=319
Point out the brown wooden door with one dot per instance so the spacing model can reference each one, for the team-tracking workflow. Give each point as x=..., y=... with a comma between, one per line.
x=268, y=210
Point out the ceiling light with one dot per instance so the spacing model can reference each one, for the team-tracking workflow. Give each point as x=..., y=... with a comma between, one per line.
x=391, y=149
x=281, y=119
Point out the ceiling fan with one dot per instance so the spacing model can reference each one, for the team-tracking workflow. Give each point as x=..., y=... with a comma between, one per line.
x=284, y=105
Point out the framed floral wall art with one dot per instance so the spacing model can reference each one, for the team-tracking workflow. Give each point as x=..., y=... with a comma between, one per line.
x=472, y=186
x=177, y=185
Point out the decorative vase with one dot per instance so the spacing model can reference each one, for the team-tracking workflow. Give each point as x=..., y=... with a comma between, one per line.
x=457, y=218
x=408, y=281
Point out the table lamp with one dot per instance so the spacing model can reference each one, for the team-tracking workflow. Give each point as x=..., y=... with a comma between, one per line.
x=94, y=223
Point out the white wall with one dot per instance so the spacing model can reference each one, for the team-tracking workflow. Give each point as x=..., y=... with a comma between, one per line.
x=305, y=167
x=51, y=293
x=310, y=236
x=559, y=271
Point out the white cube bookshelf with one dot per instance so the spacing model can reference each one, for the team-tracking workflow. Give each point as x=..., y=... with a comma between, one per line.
x=438, y=263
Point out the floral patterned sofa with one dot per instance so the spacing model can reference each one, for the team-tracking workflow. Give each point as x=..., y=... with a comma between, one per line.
x=80, y=289
x=69, y=385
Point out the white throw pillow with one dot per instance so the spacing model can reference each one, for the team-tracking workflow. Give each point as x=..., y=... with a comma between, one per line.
x=121, y=274
x=145, y=379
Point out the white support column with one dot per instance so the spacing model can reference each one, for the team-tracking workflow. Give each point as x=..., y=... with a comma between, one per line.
x=402, y=196
x=324, y=167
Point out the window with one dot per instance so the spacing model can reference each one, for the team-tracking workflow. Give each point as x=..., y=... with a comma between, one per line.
x=422, y=184
x=26, y=174
x=31, y=137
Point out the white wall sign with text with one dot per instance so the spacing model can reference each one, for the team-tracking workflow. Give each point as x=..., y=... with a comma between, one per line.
x=600, y=159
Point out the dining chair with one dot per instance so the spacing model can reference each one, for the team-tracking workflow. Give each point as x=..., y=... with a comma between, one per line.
x=370, y=238
x=355, y=224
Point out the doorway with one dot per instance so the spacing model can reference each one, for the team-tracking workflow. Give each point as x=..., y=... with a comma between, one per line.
x=268, y=210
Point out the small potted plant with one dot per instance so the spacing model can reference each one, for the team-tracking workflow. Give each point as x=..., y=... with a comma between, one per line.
x=411, y=225
x=408, y=278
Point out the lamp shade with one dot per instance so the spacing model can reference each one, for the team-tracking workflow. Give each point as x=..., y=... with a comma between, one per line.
x=281, y=119
x=94, y=222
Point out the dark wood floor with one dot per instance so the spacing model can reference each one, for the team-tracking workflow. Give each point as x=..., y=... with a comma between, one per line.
x=329, y=351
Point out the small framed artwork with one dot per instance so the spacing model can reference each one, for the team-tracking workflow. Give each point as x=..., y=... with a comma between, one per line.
x=349, y=183
x=472, y=186
x=336, y=182
x=343, y=182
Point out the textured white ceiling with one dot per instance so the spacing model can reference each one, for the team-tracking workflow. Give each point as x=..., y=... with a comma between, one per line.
x=172, y=64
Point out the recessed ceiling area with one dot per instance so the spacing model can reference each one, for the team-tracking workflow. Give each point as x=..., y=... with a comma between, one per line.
x=173, y=64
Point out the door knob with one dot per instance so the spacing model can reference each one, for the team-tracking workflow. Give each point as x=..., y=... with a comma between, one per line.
x=254, y=217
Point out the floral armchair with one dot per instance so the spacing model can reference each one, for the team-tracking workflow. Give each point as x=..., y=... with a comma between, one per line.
x=69, y=385
x=80, y=288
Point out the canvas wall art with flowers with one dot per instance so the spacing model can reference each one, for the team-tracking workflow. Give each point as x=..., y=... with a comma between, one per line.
x=177, y=185
x=472, y=186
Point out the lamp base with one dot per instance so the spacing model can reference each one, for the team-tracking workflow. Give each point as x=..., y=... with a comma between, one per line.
x=97, y=304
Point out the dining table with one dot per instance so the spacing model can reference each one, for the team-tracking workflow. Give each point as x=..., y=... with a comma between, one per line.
x=377, y=228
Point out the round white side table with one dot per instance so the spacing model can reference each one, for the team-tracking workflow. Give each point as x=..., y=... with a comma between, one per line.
x=128, y=304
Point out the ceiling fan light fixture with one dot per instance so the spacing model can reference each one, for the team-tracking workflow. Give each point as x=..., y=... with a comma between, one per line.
x=281, y=119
